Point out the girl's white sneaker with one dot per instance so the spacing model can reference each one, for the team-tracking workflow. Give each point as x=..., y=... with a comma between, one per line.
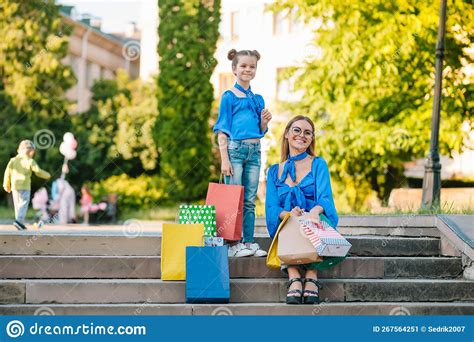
x=257, y=251
x=239, y=250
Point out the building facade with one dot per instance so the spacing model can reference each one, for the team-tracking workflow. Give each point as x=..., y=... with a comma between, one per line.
x=94, y=54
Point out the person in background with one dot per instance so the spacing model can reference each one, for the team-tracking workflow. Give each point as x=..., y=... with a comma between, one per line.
x=87, y=205
x=17, y=180
x=39, y=202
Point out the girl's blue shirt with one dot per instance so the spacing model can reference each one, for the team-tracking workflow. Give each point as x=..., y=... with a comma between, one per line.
x=237, y=119
x=314, y=189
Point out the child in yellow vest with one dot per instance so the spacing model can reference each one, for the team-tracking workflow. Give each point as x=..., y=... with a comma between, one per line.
x=17, y=180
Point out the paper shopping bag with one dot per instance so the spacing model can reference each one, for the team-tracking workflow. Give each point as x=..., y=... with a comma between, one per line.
x=175, y=238
x=325, y=239
x=205, y=214
x=207, y=275
x=294, y=247
x=273, y=261
x=229, y=202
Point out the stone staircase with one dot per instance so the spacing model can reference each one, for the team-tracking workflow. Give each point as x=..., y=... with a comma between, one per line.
x=394, y=268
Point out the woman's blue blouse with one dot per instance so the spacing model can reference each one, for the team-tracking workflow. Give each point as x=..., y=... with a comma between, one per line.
x=314, y=189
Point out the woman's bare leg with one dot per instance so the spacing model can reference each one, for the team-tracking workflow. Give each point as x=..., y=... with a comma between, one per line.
x=294, y=273
x=311, y=274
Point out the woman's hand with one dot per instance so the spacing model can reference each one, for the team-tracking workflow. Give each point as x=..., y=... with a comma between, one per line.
x=314, y=217
x=314, y=214
x=296, y=211
x=226, y=168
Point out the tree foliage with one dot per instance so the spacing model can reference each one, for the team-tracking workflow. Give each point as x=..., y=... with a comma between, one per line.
x=188, y=34
x=371, y=90
x=115, y=134
x=33, y=78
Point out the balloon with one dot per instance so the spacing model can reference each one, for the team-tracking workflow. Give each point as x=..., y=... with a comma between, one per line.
x=74, y=144
x=63, y=149
x=68, y=137
x=67, y=151
x=70, y=155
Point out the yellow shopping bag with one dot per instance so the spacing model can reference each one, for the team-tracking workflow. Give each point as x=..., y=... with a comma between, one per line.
x=273, y=261
x=175, y=238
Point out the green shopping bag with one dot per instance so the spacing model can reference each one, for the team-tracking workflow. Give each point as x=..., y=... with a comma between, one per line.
x=205, y=214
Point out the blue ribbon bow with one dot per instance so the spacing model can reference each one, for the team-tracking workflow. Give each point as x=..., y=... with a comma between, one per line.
x=290, y=166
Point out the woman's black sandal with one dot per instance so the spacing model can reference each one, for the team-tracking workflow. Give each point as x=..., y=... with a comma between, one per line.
x=290, y=299
x=313, y=296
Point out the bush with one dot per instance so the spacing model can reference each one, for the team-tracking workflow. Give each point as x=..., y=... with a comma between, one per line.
x=133, y=193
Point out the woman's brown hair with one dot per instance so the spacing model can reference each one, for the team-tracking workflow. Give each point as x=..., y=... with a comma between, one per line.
x=285, y=146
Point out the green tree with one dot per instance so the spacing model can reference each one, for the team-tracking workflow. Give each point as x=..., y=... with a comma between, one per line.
x=188, y=34
x=115, y=134
x=136, y=119
x=370, y=92
x=33, y=79
x=117, y=153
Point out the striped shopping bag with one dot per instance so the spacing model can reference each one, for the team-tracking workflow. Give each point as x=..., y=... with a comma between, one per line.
x=326, y=240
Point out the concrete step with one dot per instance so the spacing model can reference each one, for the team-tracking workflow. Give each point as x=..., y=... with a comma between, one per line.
x=383, y=245
x=106, y=291
x=378, y=231
x=384, y=225
x=87, y=267
x=325, y=308
x=113, y=243
x=387, y=225
x=408, y=220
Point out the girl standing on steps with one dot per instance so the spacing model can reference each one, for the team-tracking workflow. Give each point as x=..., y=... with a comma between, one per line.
x=242, y=122
x=300, y=183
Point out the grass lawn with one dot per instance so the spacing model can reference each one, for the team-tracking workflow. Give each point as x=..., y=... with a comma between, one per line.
x=9, y=213
x=161, y=213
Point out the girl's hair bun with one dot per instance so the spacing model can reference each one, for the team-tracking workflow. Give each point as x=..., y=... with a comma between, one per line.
x=234, y=55
x=231, y=54
x=256, y=54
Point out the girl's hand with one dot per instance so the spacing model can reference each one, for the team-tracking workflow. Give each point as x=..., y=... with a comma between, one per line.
x=296, y=211
x=266, y=116
x=226, y=168
x=7, y=189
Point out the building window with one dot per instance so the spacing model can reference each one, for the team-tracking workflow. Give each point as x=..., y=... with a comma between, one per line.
x=295, y=23
x=234, y=25
x=74, y=63
x=226, y=81
x=280, y=23
x=285, y=22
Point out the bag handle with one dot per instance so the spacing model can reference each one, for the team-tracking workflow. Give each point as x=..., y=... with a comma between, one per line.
x=220, y=178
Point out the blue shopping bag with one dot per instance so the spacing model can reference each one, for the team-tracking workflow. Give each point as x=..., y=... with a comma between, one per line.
x=207, y=275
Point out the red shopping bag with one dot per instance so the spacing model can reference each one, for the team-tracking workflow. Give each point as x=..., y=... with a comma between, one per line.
x=229, y=202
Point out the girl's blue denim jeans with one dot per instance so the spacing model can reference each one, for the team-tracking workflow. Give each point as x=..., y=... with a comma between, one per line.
x=245, y=158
